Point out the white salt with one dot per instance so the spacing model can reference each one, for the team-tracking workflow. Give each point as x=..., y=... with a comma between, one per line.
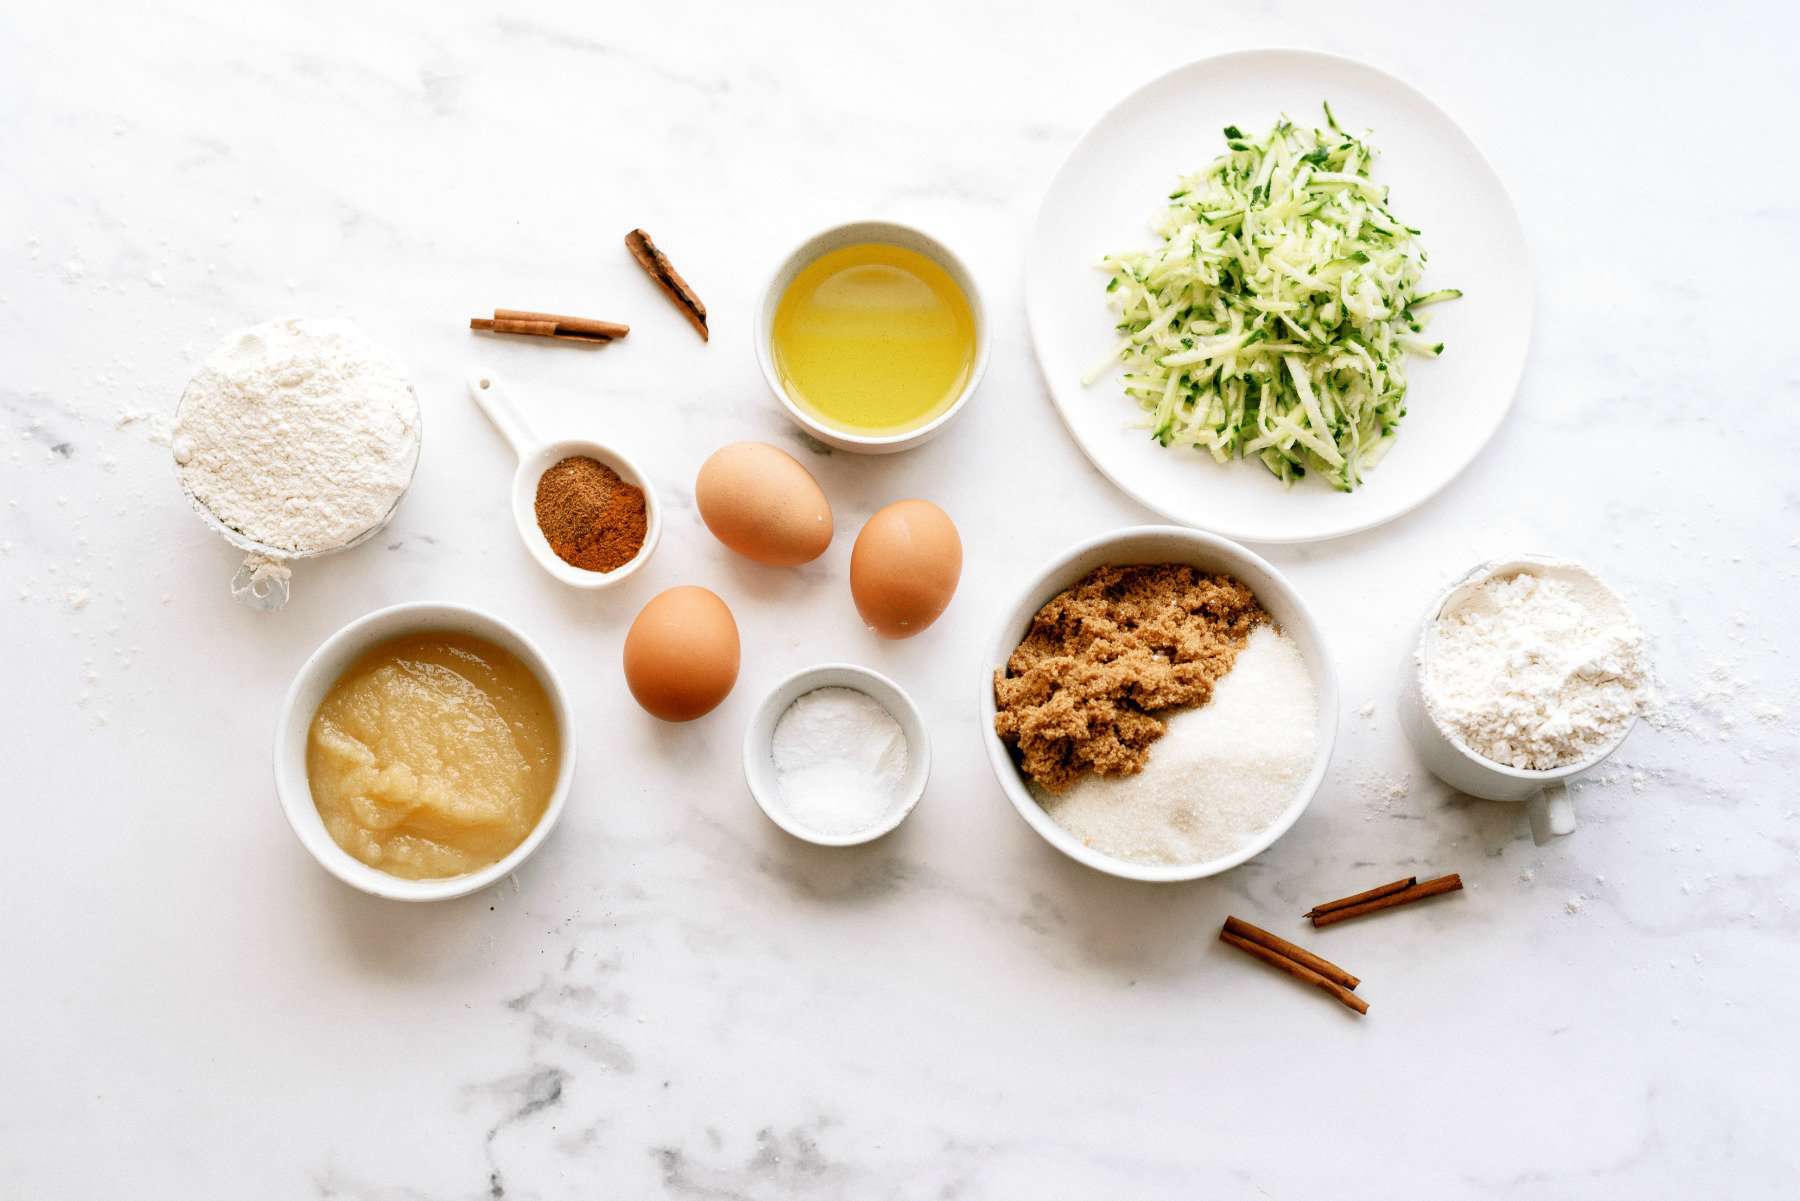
x=840, y=759
x=1218, y=777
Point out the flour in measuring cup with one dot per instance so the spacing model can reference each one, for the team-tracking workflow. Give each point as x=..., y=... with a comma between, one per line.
x=299, y=434
x=1535, y=671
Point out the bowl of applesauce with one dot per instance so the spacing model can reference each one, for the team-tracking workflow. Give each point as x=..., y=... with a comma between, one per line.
x=424, y=751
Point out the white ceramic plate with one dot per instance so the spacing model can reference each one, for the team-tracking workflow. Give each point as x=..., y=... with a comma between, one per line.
x=1114, y=182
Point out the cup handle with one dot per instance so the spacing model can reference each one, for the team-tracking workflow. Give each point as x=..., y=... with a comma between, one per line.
x=1552, y=814
x=261, y=583
x=493, y=400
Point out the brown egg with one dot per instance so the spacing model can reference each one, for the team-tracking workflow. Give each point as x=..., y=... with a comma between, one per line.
x=681, y=654
x=758, y=500
x=904, y=567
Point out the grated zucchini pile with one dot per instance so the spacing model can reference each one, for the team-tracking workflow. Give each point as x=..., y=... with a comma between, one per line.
x=1274, y=320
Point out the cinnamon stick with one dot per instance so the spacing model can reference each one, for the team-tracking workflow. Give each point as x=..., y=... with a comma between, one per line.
x=1282, y=946
x=567, y=325
x=1297, y=970
x=1371, y=895
x=657, y=265
x=533, y=329
x=537, y=329
x=1418, y=892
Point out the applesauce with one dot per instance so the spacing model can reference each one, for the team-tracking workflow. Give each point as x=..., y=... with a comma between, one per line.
x=433, y=755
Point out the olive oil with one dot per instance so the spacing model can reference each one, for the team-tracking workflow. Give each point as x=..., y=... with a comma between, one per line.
x=874, y=339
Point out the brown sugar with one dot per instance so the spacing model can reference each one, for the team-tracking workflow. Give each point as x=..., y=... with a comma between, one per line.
x=1102, y=659
x=592, y=519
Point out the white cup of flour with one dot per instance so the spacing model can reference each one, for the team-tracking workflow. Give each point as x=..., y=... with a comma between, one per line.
x=295, y=438
x=1515, y=686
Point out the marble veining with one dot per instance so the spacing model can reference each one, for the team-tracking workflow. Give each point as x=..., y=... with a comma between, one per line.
x=676, y=1000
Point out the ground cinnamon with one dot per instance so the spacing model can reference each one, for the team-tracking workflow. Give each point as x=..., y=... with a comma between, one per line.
x=592, y=519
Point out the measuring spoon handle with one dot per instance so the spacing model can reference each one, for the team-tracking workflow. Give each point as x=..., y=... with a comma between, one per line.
x=492, y=399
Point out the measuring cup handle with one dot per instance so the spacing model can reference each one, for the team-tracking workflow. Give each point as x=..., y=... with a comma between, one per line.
x=1552, y=814
x=492, y=399
x=261, y=583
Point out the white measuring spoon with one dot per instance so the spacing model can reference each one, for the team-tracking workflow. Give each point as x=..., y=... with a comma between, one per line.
x=537, y=457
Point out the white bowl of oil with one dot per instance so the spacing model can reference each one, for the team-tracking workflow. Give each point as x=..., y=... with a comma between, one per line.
x=872, y=337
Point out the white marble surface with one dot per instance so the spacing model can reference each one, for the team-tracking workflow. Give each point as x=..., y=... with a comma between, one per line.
x=674, y=999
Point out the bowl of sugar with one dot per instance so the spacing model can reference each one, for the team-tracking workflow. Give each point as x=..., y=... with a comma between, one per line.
x=1242, y=709
x=837, y=755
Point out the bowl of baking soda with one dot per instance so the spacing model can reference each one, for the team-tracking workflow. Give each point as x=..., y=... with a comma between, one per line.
x=837, y=755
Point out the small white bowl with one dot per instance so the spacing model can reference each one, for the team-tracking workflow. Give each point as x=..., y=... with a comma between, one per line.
x=850, y=235
x=759, y=765
x=1544, y=792
x=315, y=679
x=1160, y=544
x=535, y=458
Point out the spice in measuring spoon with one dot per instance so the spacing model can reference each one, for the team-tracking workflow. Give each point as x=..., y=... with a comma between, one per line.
x=592, y=519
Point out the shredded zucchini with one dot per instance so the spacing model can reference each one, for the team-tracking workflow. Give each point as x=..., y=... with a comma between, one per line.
x=1275, y=318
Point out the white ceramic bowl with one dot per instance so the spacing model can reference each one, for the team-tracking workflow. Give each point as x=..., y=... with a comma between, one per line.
x=1160, y=544
x=1544, y=791
x=759, y=766
x=315, y=679
x=535, y=458
x=850, y=235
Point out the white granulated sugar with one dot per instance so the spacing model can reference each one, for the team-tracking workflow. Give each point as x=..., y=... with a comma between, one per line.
x=840, y=759
x=1219, y=776
x=298, y=434
x=1536, y=671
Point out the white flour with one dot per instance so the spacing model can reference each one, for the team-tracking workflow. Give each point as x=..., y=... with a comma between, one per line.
x=839, y=760
x=1220, y=775
x=298, y=434
x=1535, y=670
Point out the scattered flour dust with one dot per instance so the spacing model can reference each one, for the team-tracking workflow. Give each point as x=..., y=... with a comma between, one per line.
x=1711, y=711
x=299, y=434
x=1219, y=776
x=1382, y=791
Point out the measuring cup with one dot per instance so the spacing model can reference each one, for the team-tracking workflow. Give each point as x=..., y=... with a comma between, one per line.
x=263, y=580
x=535, y=458
x=1546, y=792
